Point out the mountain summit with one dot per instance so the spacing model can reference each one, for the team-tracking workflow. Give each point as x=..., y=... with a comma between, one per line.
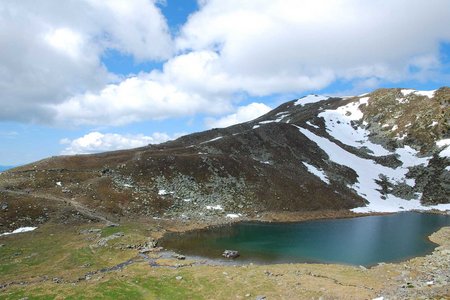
x=383, y=151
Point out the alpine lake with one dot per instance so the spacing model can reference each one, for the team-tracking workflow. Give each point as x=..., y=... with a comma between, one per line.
x=366, y=241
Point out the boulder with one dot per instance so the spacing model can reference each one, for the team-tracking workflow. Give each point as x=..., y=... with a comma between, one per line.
x=230, y=254
x=179, y=256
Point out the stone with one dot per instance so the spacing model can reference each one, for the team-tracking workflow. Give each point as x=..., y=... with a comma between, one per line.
x=260, y=297
x=103, y=241
x=230, y=254
x=4, y=206
x=150, y=247
x=57, y=280
x=179, y=256
x=179, y=278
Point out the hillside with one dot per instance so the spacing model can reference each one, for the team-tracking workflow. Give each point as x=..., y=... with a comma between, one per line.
x=379, y=152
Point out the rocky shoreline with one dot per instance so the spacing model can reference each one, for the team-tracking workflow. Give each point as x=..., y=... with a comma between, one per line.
x=425, y=277
x=182, y=225
x=421, y=277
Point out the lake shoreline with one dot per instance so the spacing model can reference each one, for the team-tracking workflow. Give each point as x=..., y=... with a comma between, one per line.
x=426, y=275
x=255, y=232
x=181, y=226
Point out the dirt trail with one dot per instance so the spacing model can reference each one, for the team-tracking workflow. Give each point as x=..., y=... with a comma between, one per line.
x=78, y=206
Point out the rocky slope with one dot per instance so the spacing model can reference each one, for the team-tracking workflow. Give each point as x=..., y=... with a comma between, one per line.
x=383, y=151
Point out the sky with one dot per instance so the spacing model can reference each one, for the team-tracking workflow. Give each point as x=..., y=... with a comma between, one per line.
x=86, y=76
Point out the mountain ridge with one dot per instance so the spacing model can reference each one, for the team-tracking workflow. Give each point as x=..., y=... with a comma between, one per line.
x=383, y=151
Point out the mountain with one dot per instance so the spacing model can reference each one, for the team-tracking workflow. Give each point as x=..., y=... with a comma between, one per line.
x=4, y=168
x=383, y=151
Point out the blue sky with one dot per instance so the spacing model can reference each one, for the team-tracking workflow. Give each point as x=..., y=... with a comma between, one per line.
x=131, y=73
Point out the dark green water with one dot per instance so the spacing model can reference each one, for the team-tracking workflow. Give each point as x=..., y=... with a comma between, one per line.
x=357, y=241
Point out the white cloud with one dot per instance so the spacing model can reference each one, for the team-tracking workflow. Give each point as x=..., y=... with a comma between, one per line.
x=51, y=70
x=242, y=114
x=315, y=42
x=135, y=27
x=189, y=84
x=144, y=97
x=54, y=49
x=94, y=142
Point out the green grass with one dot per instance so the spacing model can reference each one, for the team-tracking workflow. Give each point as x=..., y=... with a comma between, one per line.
x=61, y=251
x=111, y=230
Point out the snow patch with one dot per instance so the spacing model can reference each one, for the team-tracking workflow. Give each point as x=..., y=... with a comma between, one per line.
x=233, y=216
x=59, y=183
x=338, y=124
x=406, y=92
x=368, y=172
x=402, y=100
x=318, y=172
x=212, y=140
x=429, y=94
x=281, y=117
x=164, y=192
x=19, y=230
x=409, y=157
x=445, y=153
x=256, y=126
x=312, y=125
x=445, y=144
x=214, y=207
x=442, y=143
x=311, y=99
x=364, y=100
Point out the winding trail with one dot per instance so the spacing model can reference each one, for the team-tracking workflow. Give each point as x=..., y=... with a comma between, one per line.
x=76, y=205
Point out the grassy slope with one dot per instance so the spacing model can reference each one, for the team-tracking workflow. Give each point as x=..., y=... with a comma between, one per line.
x=59, y=251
